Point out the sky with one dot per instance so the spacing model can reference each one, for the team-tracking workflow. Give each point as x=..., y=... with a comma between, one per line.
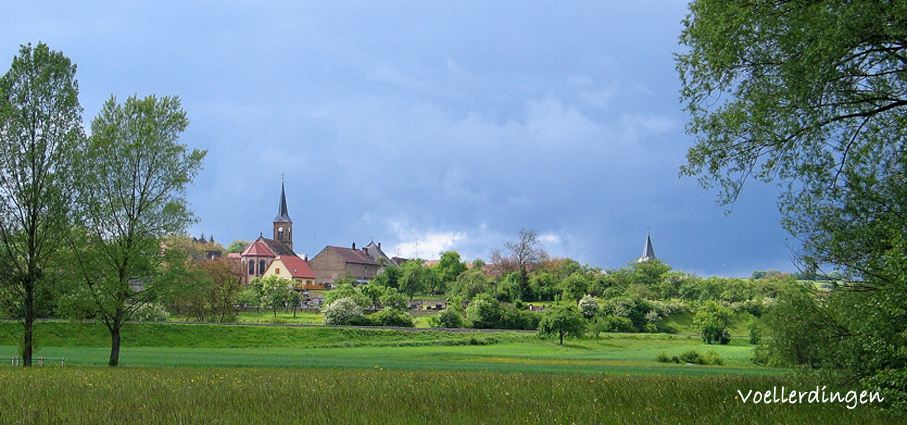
x=427, y=126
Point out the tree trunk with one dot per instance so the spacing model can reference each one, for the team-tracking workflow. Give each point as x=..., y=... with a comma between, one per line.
x=562, y=337
x=28, y=343
x=114, y=346
x=28, y=337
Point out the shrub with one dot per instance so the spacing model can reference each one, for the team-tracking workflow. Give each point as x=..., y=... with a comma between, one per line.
x=618, y=324
x=588, y=305
x=711, y=357
x=151, y=312
x=662, y=357
x=343, y=311
x=690, y=356
x=392, y=317
x=450, y=317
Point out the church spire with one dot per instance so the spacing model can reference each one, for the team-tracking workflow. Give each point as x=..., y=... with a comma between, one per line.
x=648, y=253
x=283, y=225
x=282, y=215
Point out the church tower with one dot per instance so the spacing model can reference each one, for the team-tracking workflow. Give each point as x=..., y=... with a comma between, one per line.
x=283, y=225
x=648, y=253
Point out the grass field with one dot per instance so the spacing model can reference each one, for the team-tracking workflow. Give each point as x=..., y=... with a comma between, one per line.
x=178, y=373
x=370, y=396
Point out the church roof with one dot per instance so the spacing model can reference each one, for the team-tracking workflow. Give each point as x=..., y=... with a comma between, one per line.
x=648, y=253
x=282, y=215
x=258, y=249
x=264, y=247
x=297, y=267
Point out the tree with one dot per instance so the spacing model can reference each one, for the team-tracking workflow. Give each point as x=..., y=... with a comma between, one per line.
x=588, y=305
x=711, y=319
x=223, y=285
x=415, y=278
x=276, y=291
x=562, y=320
x=470, y=283
x=525, y=252
x=238, y=246
x=449, y=268
x=573, y=287
x=40, y=138
x=132, y=187
x=813, y=95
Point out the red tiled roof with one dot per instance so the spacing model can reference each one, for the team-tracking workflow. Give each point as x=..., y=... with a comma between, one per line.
x=297, y=267
x=258, y=249
x=264, y=247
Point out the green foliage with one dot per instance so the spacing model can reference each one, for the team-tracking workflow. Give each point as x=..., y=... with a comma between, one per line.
x=132, y=187
x=485, y=312
x=635, y=309
x=392, y=317
x=200, y=289
x=275, y=291
x=813, y=95
x=394, y=300
x=347, y=290
x=573, y=287
x=390, y=277
x=416, y=278
x=450, y=317
x=342, y=311
x=755, y=331
x=711, y=357
x=238, y=246
x=588, y=305
x=711, y=318
x=449, y=267
x=561, y=321
x=41, y=139
x=471, y=283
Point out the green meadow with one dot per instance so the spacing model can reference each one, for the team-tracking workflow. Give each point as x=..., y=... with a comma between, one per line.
x=196, y=373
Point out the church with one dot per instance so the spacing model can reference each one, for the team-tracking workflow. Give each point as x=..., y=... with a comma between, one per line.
x=265, y=257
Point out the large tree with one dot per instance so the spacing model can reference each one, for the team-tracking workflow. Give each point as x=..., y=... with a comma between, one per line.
x=40, y=136
x=132, y=195
x=813, y=94
x=525, y=252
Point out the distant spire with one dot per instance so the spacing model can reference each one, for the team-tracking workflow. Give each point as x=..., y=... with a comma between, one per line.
x=648, y=253
x=282, y=215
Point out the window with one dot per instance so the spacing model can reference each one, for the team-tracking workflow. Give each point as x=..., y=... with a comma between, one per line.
x=277, y=270
x=252, y=267
x=261, y=267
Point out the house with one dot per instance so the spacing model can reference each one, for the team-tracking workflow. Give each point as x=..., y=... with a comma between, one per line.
x=362, y=264
x=259, y=257
x=294, y=269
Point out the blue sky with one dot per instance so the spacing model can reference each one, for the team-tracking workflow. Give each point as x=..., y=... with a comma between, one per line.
x=427, y=126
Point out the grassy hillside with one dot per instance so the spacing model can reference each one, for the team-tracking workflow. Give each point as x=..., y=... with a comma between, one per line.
x=201, y=345
x=178, y=335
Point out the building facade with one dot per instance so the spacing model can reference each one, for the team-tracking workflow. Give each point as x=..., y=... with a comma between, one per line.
x=362, y=264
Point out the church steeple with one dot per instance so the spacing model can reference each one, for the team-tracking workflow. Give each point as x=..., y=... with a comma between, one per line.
x=648, y=253
x=283, y=225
